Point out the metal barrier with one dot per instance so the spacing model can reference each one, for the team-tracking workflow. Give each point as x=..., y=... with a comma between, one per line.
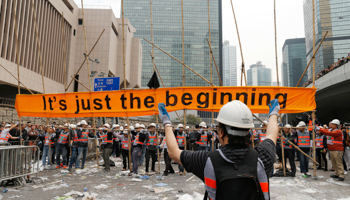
x=17, y=162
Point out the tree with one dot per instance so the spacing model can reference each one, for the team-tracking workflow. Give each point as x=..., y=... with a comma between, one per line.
x=192, y=119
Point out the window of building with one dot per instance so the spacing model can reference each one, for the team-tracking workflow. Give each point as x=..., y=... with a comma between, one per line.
x=80, y=21
x=74, y=32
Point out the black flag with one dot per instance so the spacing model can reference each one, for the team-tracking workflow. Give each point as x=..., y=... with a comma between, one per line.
x=153, y=83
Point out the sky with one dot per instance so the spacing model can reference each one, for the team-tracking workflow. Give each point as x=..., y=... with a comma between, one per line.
x=255, y=19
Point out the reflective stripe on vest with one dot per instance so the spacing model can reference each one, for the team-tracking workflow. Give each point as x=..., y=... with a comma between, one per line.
x=125, y=145
x=84, y=137
x=63, y=139
x=136, y=141
x=180, y=139
x=48, y=141
x=105, y=139
x=152, y=140
x=319, y=142
x=303, y=139
x=210, y=179
x=262, y=137
x=287, y=147
x=203, y=140
x=310, y=125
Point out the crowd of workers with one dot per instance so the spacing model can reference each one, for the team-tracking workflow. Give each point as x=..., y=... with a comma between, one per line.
x=66, y=145
x=325, y=71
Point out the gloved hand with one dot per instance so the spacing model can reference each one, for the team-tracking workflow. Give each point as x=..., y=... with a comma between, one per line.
x=158, y=147
x=20, y=137
x=95, y=136
x=70, y=145
x=163, y=114
x=274, y=107
x=317, y=128
x=39, y=143
x=98, y=146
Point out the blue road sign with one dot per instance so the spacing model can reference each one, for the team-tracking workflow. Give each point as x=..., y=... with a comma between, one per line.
x=107, y=84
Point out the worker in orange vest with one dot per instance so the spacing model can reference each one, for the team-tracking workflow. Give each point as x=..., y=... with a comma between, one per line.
x=335, y=147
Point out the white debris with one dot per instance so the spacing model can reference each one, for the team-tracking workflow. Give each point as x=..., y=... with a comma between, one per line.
x=309, y=190
x=337, y=182
x=195, y=196
x=136, y=179
x=102, y=186
x=14, y=197
x=64, y=171
x=55, y=187
x=71, y=193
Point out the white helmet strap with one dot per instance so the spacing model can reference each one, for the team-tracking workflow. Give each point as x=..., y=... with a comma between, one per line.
x=236, y=132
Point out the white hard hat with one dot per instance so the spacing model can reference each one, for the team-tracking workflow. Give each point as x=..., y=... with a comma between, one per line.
x=106, y=125
x=301, y=124
x=66, y=125
x=335, y=121
x=153, y=124
x=115, y=125
x=121, y=128
x=265, y=123
x=187, y=127
x=73, y=126
x=131, y=128
x=203, y=124
x=287, y=126
x=137, y=125
x=83, y=122
x=89, y=126
x=142, y=126
x=180, y=126
x=78, y=124
x=125, y=132
x=7, y=125
x=125, y=124
x=236, y=114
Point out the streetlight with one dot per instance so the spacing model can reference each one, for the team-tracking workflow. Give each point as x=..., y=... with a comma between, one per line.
x=93, y=73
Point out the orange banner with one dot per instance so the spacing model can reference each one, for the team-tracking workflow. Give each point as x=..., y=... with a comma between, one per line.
x=132, y=103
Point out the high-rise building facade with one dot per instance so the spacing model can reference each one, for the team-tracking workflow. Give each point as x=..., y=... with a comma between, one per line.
x=259, y=75
x=294, y=62
x=229, y=76
x=167, y=31
x=332, y=16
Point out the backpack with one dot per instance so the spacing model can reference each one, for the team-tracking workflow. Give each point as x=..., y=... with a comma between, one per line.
x=225, y=179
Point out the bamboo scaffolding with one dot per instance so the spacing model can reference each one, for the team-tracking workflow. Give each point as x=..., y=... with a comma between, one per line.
x=179, y=62
x=88, y=68
x=17, y=60
x=313, y=84
x=217, y=69
x=82, y=64
x=183, y=65
x=240, y=47
x=127, y=119
x=313, y=57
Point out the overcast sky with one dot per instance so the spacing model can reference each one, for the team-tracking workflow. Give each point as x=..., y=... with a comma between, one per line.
x=255, y=20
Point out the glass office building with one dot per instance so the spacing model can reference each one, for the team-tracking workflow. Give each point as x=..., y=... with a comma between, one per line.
x=229, y=64
x=294, y=62
x=167, y=31
x=258, y=75
x=332, y=16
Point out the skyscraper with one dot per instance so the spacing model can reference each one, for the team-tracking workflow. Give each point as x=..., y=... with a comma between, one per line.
x=167, y=30
x=259, y=75
x=229, y=64
x=294, y=62
x=332, y=16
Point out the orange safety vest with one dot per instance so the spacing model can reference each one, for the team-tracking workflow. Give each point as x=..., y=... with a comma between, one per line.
x=303, y=139
x=203, y=140
x=48, y=141
x=63, y=139
x=84, y=137
x=180, y=139
x=310, y=125
x=125, y=145
x=137, y=140
x=287, y=147
x=262, y=137
x=152, y=140
x=5, y=138
x=319, y=142
x=105, y=139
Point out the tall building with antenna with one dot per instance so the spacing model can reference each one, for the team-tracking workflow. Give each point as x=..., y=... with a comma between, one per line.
x=167, y=31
